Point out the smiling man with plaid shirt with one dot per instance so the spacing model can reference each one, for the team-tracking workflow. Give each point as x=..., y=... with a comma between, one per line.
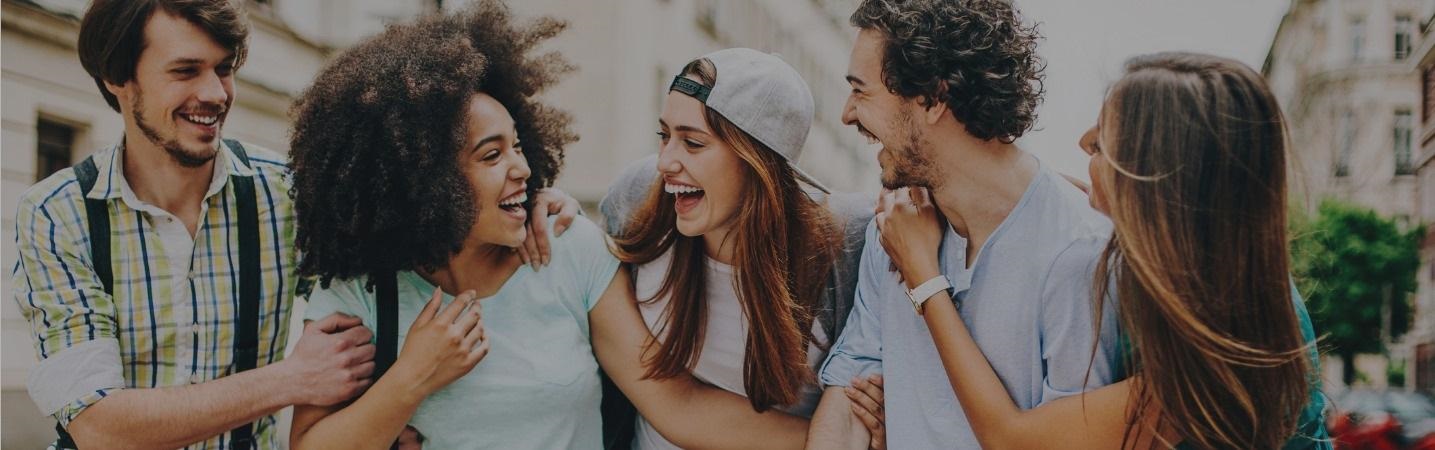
x=159, y=275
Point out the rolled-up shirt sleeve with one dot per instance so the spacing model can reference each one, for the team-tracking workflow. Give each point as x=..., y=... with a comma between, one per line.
x=858, y=351
x=71, y=318
x=1066, y=330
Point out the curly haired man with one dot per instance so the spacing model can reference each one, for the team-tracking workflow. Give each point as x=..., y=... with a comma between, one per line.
x=947, y=87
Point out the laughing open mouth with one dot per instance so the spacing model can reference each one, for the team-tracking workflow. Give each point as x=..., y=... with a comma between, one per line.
x=514, y=203
x=687, y=195
x=205, y=120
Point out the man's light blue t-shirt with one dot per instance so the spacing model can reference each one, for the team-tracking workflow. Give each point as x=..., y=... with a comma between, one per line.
x=538, y=387
x=1027, y=300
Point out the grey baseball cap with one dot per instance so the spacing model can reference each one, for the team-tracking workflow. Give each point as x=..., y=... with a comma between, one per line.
x=764, y=97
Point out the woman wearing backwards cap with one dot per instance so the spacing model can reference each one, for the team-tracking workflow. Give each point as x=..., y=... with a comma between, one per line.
x=413, y=155
x=741, y=271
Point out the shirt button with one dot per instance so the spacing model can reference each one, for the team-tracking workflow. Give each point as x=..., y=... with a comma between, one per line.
x=194, y=328
x=194, y=378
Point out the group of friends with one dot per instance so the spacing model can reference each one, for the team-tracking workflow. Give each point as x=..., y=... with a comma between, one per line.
x=729, y=300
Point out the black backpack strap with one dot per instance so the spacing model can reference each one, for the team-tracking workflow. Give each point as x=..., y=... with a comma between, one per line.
x=65, y=441
x=97, y=212
x=97, y=215
x=620, y=417
x=386, y=288
x=246, y=346
x=238, y=150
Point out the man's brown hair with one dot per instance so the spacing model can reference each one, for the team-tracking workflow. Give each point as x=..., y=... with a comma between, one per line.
x=976, y=56
x=112, y=34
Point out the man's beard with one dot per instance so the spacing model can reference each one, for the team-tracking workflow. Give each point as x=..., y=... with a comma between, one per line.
x=170, y=145
x=911, y=164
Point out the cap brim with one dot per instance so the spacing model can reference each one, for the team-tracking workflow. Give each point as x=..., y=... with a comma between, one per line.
x=805, y=178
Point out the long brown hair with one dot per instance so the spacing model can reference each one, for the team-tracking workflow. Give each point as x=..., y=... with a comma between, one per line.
x=1199, y=254
x=786, y=247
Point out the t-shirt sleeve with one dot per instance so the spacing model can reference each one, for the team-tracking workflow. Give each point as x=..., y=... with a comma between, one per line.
x=853, y=212
x=858, y=350
x=583, y=252
x=342, y=296
x=1066, y=331
x=627, y=193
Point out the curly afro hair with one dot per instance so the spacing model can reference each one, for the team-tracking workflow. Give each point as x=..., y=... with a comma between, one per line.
x=975, y=55
x=376, y=185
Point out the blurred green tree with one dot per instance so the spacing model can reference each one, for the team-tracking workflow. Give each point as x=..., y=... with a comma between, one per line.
x=1356, y=271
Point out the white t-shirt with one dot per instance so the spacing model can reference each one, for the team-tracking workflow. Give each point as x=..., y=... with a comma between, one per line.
x=724, y=340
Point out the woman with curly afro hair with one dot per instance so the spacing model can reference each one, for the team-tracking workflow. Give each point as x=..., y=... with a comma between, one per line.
x=414, y=155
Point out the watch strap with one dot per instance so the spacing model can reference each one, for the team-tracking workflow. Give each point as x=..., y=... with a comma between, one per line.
x=920, y=294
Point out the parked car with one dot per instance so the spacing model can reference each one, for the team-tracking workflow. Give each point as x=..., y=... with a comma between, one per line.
x=1369, y=419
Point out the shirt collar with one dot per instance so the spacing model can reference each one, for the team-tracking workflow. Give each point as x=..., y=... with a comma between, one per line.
x=110, y=182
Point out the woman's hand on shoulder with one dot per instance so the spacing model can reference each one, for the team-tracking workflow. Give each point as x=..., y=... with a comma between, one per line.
x=444, y=343
x=536, y=250
x=911, y=233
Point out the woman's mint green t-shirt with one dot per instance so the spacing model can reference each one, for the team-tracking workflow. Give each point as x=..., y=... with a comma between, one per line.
x=538, y=387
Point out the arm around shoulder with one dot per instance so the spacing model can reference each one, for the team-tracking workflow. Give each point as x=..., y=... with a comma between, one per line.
x=686, y=412
x=833, y=424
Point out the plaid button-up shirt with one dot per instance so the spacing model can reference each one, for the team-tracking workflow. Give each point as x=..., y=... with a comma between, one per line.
x=164, y=325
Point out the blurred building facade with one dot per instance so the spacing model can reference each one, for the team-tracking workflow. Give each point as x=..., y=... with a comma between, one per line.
x=1422, y=337
x=626, y=51
x=1345, y=73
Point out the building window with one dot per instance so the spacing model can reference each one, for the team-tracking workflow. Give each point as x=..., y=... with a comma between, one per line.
x=1404, y=124
x=1404, y=34
x=1357, y=39
x=55, y=144
x=1427, y=95
x=1425, y=368
x=1347, y=144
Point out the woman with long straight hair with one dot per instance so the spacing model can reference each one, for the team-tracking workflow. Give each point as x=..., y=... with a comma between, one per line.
x=1189, y=160
x=738, y=267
